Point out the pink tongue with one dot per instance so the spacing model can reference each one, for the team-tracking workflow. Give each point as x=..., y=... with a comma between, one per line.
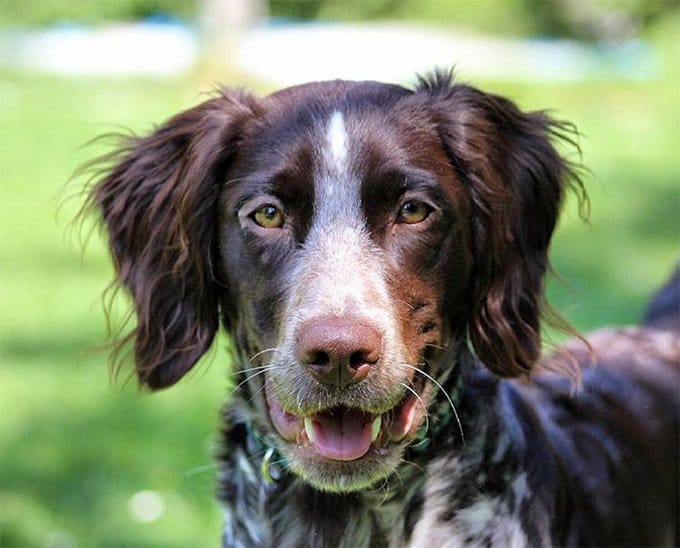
x=343, y=435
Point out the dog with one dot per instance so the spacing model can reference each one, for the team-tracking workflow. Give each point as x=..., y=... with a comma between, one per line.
x=377, y=255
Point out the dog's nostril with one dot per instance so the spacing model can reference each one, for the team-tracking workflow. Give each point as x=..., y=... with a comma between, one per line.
x=319, y=358
x=361, y=357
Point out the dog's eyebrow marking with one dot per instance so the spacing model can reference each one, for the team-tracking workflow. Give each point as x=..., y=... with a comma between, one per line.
x=336, y=141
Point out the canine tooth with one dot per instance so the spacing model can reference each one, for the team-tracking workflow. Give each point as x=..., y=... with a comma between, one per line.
x=375, y=427
x=309, y=428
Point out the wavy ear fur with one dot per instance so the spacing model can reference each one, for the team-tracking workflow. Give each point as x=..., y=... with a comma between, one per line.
x=157, y=202
x=516, y=180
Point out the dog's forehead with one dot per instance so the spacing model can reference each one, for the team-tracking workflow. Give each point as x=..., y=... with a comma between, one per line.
x=340, y=146
x=301, y=116
x=336, y=130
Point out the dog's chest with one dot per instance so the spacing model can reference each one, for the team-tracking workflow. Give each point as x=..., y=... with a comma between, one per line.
x=487, y=522
x=454, y=515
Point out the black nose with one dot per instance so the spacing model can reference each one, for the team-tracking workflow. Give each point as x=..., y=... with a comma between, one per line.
x=339, y=350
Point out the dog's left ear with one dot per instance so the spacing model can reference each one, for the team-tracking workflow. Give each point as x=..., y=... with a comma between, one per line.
x=157, y=198
x=516, y=181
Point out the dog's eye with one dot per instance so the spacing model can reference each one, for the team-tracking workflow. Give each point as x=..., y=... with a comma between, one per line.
x=413, y=212
x=268, y=216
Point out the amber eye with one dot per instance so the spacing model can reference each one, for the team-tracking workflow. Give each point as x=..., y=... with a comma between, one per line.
x=413, y=212
x=268, y=216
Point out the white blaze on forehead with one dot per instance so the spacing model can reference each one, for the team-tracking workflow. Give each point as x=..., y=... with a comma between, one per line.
x=339, y=266
x=336, y=143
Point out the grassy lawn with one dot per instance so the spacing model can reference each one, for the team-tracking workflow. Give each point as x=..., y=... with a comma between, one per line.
x=76, y=448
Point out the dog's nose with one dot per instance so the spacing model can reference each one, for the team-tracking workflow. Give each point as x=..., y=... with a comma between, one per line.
x=339, y=350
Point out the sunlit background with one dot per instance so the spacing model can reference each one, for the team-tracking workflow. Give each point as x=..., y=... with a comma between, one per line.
x=87, y=461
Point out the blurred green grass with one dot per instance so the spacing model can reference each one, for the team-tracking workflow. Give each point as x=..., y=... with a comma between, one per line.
x=75, y=447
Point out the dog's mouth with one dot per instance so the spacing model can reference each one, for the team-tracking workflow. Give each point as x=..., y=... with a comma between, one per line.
x=344, y=433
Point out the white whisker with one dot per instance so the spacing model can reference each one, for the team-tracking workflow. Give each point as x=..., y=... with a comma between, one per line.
x=437, y=346
x=245, y=381
x=257, y=354
x=265, y=367
x=436, y=383
x=254, y=393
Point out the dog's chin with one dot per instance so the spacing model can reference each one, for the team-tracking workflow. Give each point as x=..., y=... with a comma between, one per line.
x=344, y=449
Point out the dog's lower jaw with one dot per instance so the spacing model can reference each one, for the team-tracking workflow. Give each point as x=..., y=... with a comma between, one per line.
x=347, y=477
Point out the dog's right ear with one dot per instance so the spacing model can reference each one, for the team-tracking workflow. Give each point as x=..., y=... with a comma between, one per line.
x=516, y=180
x=157, y=200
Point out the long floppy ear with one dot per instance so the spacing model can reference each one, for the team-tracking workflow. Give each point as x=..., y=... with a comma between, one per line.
x=158, y=204
x=516, y=180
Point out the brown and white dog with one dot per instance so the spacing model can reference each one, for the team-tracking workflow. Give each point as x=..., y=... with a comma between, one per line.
x=377, y=255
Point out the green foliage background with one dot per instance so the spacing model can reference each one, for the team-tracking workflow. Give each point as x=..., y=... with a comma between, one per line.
x=74, y=447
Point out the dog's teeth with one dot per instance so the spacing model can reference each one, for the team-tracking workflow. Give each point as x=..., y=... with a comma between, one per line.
x=375, y=427
x=309, y=428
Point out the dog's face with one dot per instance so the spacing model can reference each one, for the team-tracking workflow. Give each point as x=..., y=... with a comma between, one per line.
x=352, y=235
x=340, y=246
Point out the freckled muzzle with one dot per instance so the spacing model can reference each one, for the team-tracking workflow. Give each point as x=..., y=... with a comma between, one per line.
x=335, y=352
x=351, y=402
x=343, y=404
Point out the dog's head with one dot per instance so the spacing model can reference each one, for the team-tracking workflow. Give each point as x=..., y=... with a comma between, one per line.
x=351, y=235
